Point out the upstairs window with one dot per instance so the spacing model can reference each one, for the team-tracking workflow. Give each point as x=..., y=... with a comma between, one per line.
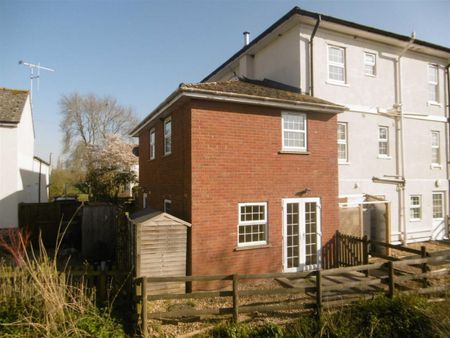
x=252, y=227
x=342, y=142
x=435, y=148
x=294, y=131
x=415, y=207
x=152, y=143
x=336, y=64
x=383, y=141
x=168, y=136
x=370, y=64
x=433, y=83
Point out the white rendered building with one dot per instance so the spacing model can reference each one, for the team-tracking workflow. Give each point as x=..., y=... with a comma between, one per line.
x=23, y=176
x=393, y=139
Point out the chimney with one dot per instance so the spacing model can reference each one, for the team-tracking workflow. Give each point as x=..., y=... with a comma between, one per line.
x=246, y=38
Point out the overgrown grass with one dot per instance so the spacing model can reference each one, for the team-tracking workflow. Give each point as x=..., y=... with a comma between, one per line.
x=37, y=301
x=404, y=316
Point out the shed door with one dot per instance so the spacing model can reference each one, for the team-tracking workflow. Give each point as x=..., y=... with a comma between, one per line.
x=302, y=234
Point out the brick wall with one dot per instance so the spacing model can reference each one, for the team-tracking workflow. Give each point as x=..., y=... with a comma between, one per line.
x=230, y=153
x=235, y=158
x=167, y=177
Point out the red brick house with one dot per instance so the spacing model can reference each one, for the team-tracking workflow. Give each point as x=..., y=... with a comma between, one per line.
x=252, y=166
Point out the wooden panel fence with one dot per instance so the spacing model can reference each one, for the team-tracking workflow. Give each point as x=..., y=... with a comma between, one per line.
x=321, y=293
x=347, y=250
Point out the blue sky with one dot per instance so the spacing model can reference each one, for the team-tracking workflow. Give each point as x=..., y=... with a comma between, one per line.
x=139, y=51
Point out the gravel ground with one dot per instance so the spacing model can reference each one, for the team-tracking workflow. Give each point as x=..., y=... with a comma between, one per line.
x=174, y=328
x=191, y=327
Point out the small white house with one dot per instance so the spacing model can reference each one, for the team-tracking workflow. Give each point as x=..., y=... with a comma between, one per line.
x=23, y=176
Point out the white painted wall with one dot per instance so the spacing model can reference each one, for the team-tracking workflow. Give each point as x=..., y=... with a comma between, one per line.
x=8, y=177
x=19, y=171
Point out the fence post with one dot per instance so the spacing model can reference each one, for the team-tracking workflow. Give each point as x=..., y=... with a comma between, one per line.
x=144, y=307
x=423, y=253
x=101, y=288
x=319, y=293
x=391, y=280
x=235, y=298
x=337, y=249
x=365, y=253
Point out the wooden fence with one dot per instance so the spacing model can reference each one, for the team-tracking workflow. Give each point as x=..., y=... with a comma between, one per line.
x=321, y=294
x=346, y=250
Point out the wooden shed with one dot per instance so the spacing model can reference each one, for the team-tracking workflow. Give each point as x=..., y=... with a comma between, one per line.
x=160, y=248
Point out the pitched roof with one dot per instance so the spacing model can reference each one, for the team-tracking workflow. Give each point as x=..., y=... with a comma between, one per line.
x=12, y=102
x=154, y=216
x=265, y=89
x=243, y=90
x=297, y=11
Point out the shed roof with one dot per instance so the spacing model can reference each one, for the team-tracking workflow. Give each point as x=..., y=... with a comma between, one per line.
x=12, y=102
x=152, y=215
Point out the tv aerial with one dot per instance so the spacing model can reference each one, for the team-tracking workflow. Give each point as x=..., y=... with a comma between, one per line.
x=35, y=73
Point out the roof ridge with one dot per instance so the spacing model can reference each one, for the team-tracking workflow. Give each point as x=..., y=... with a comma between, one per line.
x=15, y=90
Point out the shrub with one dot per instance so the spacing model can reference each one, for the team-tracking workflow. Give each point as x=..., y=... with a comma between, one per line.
x=403, y=316
x=241, y=330
x=37, y=301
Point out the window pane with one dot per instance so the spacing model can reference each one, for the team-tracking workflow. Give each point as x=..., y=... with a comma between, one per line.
x=336, y=73
x=432, y=74
x=383, y=133
x=438, y=204
x=341, y=131
x=336, y=54
x=252, y=223
x=342, y=152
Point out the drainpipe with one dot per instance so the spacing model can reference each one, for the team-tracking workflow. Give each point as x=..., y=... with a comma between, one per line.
x=311, y=56
x=447, y=115
x=400, y=130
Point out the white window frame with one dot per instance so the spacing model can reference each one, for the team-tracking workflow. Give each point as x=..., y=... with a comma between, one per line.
x=144, y=200
x=167, y=136
x=337, y=64
x=383, y=140
x=436, y=148
x=343, y=142
x=304, y=132
x=435, y=84
x=166, y=202
x=415, y=206
x=152, y=147
x=371, y=64
x=246, y=223
x=442, y=194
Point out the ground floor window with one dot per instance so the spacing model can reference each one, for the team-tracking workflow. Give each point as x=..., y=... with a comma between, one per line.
x=415, y=207
x=252, y=226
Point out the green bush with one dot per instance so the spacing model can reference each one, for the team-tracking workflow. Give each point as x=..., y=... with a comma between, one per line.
x=241, y=330
x=403, y=316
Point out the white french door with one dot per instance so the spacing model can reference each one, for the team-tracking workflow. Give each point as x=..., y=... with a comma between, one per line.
x=302, y=234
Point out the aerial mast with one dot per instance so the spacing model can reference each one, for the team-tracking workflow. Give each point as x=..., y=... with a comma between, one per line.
x=35, y=73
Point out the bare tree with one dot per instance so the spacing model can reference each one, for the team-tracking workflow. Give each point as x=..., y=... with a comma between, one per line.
x=88, y=121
